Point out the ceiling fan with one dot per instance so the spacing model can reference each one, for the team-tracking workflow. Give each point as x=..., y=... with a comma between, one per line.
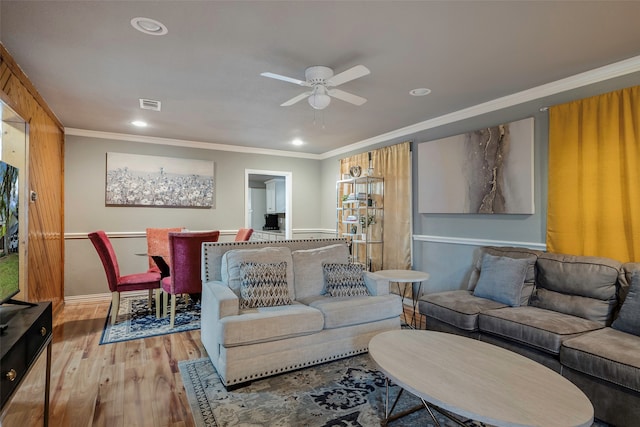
x=322, y=83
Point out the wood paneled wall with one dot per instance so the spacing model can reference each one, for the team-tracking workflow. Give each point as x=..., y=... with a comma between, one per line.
x=46, y=178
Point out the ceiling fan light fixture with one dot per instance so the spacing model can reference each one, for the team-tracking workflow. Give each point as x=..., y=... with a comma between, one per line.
x=319, y=98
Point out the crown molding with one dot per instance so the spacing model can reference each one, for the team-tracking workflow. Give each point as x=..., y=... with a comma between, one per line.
x=187, y=143
x=607, y=72
x=586, y=78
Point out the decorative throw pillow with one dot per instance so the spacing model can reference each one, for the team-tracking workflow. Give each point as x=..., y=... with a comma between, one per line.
x=501, y=279
x=263, y=285
x=629, y=318
x=344, y=280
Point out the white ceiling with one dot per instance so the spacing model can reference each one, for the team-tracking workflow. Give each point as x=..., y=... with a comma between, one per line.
x=91, y=66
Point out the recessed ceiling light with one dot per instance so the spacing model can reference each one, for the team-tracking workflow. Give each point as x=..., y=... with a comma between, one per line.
x=149, y=26
x=139, y=123
x=421, y=91
x=297, y=141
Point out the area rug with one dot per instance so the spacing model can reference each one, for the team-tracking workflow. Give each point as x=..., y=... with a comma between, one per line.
x=135, y=321
x=347, y=392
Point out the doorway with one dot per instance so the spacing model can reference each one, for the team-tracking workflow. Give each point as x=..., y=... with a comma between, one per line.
x=255, y=180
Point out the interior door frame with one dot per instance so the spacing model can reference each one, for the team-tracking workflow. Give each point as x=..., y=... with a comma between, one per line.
x=288, y=181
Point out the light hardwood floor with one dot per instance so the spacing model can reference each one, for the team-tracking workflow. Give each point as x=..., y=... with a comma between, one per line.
x=134, y=383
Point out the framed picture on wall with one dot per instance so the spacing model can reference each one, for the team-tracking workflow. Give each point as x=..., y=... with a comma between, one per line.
x=488, y=171
x=139, y=180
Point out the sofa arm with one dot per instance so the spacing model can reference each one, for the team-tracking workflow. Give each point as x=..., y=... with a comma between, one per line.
x=219, y=300
x=376, y=284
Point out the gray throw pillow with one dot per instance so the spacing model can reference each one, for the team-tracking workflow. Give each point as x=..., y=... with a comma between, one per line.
x=263, y=285
x=501, y=279
x=344, y=280
x=629, y=318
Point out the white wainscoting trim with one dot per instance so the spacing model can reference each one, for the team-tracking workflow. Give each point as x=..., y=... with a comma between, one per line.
x=478, y=242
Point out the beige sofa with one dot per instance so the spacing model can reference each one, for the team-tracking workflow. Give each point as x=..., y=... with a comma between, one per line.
x=562, y=318
x=247, y=344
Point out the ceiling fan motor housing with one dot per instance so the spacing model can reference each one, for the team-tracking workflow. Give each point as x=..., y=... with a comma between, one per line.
x=318, y=75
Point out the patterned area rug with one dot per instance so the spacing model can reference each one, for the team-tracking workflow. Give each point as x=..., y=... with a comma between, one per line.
x=347, y=392
x=135, y=321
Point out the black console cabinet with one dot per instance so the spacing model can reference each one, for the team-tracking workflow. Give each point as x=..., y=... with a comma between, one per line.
x=27, y=334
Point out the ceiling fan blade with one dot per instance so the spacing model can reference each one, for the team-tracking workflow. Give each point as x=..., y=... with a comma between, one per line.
x=346, y=76
x=346, y=96
x=285, y=79
x=295, y=99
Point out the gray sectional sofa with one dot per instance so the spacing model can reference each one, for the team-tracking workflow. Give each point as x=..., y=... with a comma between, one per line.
x=245, y=344
x=560, y=310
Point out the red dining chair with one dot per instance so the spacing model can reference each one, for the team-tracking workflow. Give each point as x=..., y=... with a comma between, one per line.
x=244, y=234
x=158, y=246
x=186, y=261
x=118, y=283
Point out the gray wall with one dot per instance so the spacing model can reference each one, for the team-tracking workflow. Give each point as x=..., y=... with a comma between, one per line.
x=85, y=211
x=445, y=244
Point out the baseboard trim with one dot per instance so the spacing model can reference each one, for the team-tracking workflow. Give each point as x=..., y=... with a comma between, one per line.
x=97, y=298
x=478, y=242
x=84, y=299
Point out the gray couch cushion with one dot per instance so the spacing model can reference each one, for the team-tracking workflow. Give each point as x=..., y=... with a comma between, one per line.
x=530, y=255
x=231, y=260
x=607, y=354
x=501, y=279
x=578, y=285
x=264, y=324
x=629, y=318
x=346, y=311
x=456, y=308
x=536, y=327
x=307, y=267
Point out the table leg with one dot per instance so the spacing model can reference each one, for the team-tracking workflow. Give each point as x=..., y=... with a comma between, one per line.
x=415, y=294
x=387, y=412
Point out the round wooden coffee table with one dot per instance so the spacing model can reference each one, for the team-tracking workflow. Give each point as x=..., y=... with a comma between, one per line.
x=477, y=380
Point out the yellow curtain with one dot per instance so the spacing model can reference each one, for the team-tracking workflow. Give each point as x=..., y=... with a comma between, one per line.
x=393, y=163
x=594, y=176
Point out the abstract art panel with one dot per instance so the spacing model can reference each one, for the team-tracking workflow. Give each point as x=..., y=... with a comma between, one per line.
x=137, y=180
x=488, y=171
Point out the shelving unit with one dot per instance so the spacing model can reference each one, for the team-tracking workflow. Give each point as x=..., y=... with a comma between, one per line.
x=360, y=218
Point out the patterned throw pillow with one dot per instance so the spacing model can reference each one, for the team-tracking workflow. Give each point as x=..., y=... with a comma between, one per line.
x=344, y=280
x=263, y=285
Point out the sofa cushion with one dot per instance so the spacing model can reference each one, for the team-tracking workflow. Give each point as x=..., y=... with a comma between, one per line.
x=231, y=260
x=535, y=327
x=629, y=318
x=344, y=280
x=263, y=284
x=531, y=255
x=346, y=311
x=582, y=286
x=501, y=279
x=307, y=268
x=264, y=324
x=456, y=308
x=607, y=354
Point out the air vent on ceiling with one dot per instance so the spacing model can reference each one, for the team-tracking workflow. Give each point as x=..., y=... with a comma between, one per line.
x=149, y=104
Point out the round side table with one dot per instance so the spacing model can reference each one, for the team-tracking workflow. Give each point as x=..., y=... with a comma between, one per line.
x=406, y=276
